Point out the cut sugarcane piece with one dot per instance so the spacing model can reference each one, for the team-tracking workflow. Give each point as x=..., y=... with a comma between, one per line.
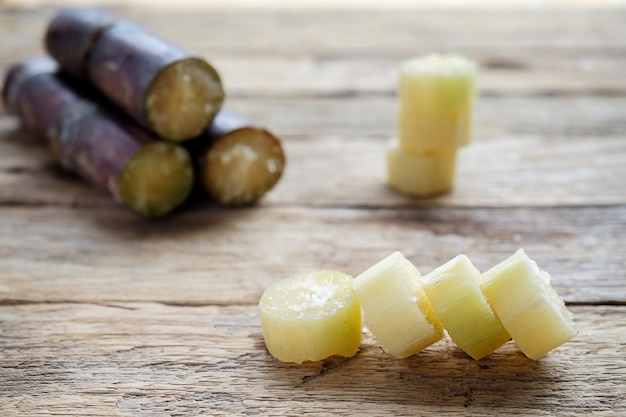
x=183, y=98
x=420, y=174
x=311, y=317
x=395, y=307
x=149, y=176
x=419, y=133
x=243, y=161
x=157, y=179
x=437, y=84
x=454, y=290
x=527, y=305
x=160, y=85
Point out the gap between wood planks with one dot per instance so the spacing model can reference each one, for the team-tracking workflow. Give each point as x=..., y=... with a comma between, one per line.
x=8, y=302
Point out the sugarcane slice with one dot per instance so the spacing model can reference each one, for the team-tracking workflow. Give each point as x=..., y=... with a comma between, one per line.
x=419, y=133
x=527, y=305
x=437, y=84
x=311, y=317
x=454, y=290
x=395, y=307
x=419, y=174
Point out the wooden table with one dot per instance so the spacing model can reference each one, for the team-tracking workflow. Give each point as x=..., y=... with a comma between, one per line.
x=104, y=313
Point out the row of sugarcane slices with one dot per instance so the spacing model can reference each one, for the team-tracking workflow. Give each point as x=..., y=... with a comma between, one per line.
x=314, y=316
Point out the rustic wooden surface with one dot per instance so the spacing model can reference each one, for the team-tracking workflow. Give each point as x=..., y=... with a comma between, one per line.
x=103, y=313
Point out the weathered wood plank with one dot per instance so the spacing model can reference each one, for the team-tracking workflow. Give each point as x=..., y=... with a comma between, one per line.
x=510, y=71
x=521, y=171
x=153, y=359
x=525, y=59
x=331, y=33
x=366, y=116
x=498, y=75
x=212, y=256
x=342, y=169
x=543, y=31
x=358, y=116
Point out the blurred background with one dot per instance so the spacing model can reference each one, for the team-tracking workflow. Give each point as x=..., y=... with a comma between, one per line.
x=313, y=3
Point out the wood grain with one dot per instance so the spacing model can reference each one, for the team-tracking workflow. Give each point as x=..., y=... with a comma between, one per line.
x=154, y=359
x=104, y=313
x=530, y=169
x=212, y=256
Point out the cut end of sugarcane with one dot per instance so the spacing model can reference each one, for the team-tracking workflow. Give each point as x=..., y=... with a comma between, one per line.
x=157, y=179
x=395, y=307
x=183, y=99
x=527, y=305
x=241, y=166
x=311, y=317
x=455, y=293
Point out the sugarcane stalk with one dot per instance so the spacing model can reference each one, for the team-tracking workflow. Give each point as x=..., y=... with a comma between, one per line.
x=72, y=34
x=149, y=176
x=163, y=86
x=242, y=161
